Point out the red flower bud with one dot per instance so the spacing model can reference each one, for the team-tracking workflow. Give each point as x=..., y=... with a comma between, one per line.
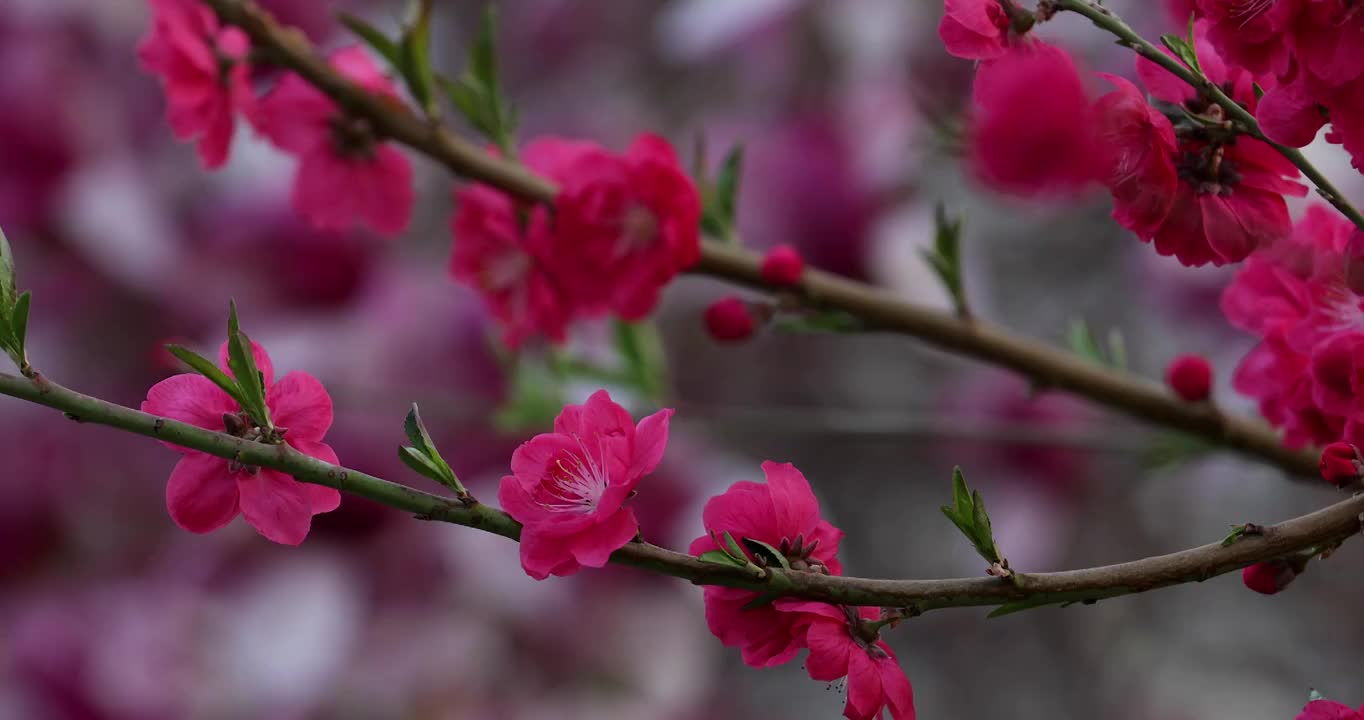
x=782, y=266
x=1190, y=376
x=729, y=320
x=1269, y=577
x=1338, y=463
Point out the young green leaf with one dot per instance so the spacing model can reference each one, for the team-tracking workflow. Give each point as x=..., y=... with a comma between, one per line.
x=820, y=322
x=769, y=554
x=720, y=557
x=8, y=281
x=968, y=513
x=727, y=184
x=18, y=331
x=1182, y=50
x=241, y=360
x=422, y=464
x=205, y=367
x=416, y=55
x=374, y=38
x=944, y=259
x=733, y=547
x=424, y=446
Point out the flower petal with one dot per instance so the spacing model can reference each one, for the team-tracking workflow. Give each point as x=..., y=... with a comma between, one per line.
x=300, y=403
x=276, y=505
x=320, y=497
x=594, y=547
x=865, y=697
x=543, y=555
x=192, y=399
x=201, y=494
x=830, y=646
x=651, y=439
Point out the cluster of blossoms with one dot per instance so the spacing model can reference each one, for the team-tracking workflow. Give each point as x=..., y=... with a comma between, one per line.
x=568, y=488
x=1307, y=55
x=621, y=227
x=1302, y=299
x=1181, y=174
x=346, y=174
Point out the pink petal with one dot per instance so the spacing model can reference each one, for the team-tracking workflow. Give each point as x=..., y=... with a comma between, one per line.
x=261, y=357
x=793, y=502
x=1288, y=116
x=322, y=189
x=651, y=439
x=276, y=505
x=192, y=399
x=1241, y=224
x=294, y=116
x=300, y=403
x=899, y=694
x=543, y=555
x=830, y=646
x=594, y=547
x=390, y=198
x=321, y=498
x=598, y=416
x=1161, y=83
x=865, y=697
x=201, y=495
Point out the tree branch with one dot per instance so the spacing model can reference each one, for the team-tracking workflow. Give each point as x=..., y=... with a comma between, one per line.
x=1044, y=365
x=1322, y=528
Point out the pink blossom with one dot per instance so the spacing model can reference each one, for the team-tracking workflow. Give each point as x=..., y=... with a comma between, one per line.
x=783, y=513
x=1253, y=35
x=1229, y=198
x=205, y=492
x=975, y=29
x=631, y=223
x=1022, y=145
x=567, y=487
x=203, y=70
x=841, y=646
x=510, y=252
x=346, y=175
x=1329, y=710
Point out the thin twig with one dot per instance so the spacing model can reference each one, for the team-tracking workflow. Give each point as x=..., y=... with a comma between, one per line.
x=1321, y=528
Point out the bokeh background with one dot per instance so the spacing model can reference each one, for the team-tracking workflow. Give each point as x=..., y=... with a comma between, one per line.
x=848, y=111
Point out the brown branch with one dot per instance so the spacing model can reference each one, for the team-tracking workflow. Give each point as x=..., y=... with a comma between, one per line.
x=1322, y=528
x=1046, y=366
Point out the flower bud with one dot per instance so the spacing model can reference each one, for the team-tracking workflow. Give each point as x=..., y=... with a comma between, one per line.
x=729, y=320
x=782, y=266
x=1190, y=376
x=1339, y=463
x=1269, y=577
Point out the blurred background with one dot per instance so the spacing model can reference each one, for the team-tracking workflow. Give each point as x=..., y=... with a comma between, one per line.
x=848, y=111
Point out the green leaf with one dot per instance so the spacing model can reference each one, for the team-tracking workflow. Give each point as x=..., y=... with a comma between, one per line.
x=819, y=322
x=421, y=440
x=477, y=94
x=773, y=556
x=18, y=329
x=208, y=369
x=720, y=557
x=944, y=259
x=1020, y=606
x=374, y=38
x=733, y=547
x=8, y=279
x=1182, y=50
x=242, y=362
x=641, y=349
x=422, y=464
x=483, y=52
x=416, y=54
x=968, y=513
x=727, y=183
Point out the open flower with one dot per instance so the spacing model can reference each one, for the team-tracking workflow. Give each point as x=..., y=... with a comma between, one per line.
x=568, y=487
x=205, y=492
x=843, y=644
x=203, y=70
x=630, y=222
x=783, y=513
x=346, y=174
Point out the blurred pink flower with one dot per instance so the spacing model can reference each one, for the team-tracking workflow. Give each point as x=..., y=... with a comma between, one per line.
x=345, y=174
x=783, y=513
x=203, y=69
x=567, y=488
x=974, y=29
x=206, y=492
x=633, y=220
x=1329, y=710
x=1021, y=148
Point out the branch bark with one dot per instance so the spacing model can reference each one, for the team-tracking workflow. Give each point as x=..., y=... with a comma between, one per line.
x=1046, y=366
x=1324, y=527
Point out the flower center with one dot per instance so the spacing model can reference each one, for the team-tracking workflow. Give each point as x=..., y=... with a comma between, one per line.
x=1208, y=170
x=575, y=481
x=1248, y=10
x=639, y=230
x=352, y=137
x=505, y=271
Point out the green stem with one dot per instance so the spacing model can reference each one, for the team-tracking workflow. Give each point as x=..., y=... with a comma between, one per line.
x=1106, y=20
